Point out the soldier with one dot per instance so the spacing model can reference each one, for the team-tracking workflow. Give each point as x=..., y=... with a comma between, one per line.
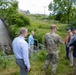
x=51, y=42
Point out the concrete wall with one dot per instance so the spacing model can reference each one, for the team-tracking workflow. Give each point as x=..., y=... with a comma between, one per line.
x=4, y=35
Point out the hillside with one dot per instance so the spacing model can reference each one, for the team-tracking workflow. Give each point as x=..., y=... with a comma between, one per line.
x=41, y=27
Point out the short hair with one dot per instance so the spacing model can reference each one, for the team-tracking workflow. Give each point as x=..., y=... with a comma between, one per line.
x=32, y=31
x=53, y=26
x=23, y=30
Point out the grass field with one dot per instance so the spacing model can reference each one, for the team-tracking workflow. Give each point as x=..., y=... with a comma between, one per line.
x=41, y=27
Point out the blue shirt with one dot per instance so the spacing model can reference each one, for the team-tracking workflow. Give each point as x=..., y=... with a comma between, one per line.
x=20, y=49
x=31, y=40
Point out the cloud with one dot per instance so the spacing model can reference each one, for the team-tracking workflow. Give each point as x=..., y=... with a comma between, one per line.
x=34, y=6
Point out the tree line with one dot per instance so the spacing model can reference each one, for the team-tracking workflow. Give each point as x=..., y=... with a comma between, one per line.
x=63, y=10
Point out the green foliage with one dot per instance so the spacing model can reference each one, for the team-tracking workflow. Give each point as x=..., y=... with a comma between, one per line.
x=41, y=56
x=14, y=30
x=66, y=7
x=39, y=37
x=41, y=27
x=58, y=16
x=3, y=61
x=51, y=17
x=11, y=14
x=73, y=23
x=18, y=19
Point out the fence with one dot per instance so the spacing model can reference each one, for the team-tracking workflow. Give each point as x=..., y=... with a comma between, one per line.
x=37, y=46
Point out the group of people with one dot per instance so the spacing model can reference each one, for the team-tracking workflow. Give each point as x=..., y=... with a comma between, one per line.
x=52, y=40
x=70, y=42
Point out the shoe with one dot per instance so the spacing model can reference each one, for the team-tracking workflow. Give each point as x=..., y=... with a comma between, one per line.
x=52, y=73
x=44, y=73
x=71, y=65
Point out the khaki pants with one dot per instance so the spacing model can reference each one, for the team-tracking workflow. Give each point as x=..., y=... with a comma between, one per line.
x=74, y=65
x=53, y=57
x=31, y=50
x=71, y=57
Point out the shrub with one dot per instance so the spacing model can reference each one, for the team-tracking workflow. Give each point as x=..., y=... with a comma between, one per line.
x=73, y=23
x=18, y=19
x=41, y=56
x=3, y=61
x=14, y=30
x=39, y=36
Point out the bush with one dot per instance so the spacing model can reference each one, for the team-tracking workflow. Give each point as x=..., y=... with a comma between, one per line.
x=41, y=56
x=39, y=36
x=18, y=19
x=73, y=23
x=14, y=30
x=3, y=61
x=12, y=16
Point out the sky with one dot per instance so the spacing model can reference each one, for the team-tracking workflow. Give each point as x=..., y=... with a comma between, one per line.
x=35, y=6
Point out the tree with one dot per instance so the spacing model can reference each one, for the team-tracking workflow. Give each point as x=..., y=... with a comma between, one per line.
x=9, y=12
x=7, y=7
x=65, y=6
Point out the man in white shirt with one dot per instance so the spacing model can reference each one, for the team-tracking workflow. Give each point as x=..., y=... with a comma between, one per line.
x=20, y=49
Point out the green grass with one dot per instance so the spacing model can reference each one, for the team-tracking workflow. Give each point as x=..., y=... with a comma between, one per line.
x=37, y=66
x=41, y=28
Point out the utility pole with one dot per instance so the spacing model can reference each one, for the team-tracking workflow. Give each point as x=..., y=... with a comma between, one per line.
x=44, y=10
x=68, y=11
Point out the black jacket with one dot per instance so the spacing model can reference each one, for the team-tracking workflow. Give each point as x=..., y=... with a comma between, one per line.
x=74, y=51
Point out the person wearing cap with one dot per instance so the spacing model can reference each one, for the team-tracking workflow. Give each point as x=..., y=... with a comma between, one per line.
x=51, y=42
x=67, y=40
x=71, y=49
x=73, y=43
x=20, y=49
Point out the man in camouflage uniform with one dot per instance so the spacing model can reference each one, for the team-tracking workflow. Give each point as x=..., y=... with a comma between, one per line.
x=51, y=42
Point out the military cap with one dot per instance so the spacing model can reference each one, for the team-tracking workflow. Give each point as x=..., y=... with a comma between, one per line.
x=54, y=26
x=68, y=28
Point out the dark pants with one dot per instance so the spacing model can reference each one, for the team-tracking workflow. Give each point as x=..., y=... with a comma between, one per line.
x=67, y=52
x=23, y=68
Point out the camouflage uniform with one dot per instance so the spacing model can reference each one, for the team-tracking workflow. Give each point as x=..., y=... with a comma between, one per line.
x=51, y=42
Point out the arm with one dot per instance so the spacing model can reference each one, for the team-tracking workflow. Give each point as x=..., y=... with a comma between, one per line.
x=45, y=43
x=66, y=40
x=73, y=43
x=72, y=39
x=60, y=40
x=70, y=36
x=25, y=54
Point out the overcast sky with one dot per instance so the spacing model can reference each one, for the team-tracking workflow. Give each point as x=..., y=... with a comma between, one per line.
x=34, y=6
